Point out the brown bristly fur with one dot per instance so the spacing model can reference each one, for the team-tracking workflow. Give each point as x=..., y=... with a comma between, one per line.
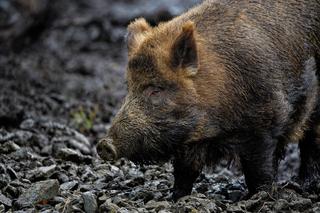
x=227, y=79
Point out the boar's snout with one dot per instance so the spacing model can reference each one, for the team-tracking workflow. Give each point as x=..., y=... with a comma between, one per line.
x=106, y=149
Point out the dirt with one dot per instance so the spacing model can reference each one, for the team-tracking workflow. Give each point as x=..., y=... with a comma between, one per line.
x=62, y=80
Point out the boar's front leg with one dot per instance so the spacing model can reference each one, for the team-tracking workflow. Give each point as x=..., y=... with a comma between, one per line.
x=257, y=160
x=185, y=174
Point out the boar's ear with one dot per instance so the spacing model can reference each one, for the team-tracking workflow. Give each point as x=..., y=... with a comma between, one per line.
x=136, y=33
x=184, y=50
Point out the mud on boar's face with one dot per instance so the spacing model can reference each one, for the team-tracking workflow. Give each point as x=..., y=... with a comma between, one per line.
x=160, y=110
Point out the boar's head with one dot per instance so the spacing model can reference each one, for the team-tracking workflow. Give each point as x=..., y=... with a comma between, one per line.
x=162, y=108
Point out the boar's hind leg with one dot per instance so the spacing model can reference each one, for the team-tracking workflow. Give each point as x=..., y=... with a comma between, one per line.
x=257, y=159
x=309, y=173
x=185, y=173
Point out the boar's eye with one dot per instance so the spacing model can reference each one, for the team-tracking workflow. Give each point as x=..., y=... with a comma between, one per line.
x=154, y=94
x=153, y=91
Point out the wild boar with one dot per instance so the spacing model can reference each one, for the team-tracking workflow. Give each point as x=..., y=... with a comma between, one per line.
x=227, y=79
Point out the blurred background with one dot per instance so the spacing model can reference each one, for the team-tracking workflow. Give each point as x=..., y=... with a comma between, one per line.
x=66, y=59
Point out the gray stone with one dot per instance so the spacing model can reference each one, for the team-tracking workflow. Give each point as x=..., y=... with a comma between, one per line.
x=88, y=174
x=84, y=148
x=108, y=207
x=196, y=202
x=281, y=204
x=23, y=154
x=43, y=190
x=47, y=170
x=4, y=180
x=62, y=177
x=42, y=172
x=211, y=206
x=26, y=181
x=68, y=141
x=4, y=200
x=72, y=155
x=86, y=187
x=30, y=210
x=58, y=199
x=69, y=185
x=157, y=205
x=2, y=169
x=301, y=204
x=18, y=183
x=164, y=211
x=90, y=202
x=236, y=208
x=21, y=137
x=12, y=173
x=27, y=124
x=11, y=190
x=9, y=147
x=124, y=210
x=47, y=150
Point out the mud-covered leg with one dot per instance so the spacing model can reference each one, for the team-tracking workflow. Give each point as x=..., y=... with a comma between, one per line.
x=185, y=173
x=257, y=160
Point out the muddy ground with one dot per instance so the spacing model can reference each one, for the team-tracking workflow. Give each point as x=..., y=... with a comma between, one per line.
x=62, y=69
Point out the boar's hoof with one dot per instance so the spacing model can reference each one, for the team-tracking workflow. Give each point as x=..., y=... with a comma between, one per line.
x=177, y=194
x=106, y=150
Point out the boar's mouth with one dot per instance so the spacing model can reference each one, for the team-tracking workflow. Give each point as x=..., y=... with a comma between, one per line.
x=157, y=148
x=145, y=155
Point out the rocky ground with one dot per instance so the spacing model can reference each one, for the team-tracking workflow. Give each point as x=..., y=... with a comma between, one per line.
x=61, y=79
